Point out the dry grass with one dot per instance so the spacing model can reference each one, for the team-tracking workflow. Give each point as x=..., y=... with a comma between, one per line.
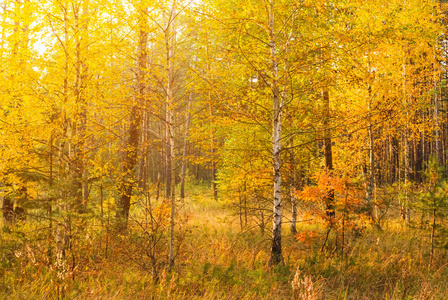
x=219, y=260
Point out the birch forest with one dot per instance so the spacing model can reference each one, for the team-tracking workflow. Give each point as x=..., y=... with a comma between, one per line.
x=223, y=149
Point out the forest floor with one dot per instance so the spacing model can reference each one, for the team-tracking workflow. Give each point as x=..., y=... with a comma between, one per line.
x=222, y=257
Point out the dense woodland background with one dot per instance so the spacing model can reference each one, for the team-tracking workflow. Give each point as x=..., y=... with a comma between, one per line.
x=223, y=149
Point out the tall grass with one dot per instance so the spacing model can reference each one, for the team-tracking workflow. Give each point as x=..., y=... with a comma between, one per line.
x=219, y=260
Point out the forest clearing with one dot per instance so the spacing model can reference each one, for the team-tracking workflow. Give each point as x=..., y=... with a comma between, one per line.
x=223, y=149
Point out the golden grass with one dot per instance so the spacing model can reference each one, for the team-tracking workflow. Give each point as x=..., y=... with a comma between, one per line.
x=219, y=260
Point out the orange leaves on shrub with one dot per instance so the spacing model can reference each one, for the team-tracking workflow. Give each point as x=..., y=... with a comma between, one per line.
x=306, y=237
x=346, y=190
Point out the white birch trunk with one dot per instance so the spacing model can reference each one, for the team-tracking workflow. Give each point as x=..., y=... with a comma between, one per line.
x=276, y=251
x=170, y=40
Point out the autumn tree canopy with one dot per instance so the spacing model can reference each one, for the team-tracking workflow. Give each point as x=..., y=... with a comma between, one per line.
x=113, y=112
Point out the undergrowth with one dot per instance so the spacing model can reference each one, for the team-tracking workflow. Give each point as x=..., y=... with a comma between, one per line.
x=217, y=259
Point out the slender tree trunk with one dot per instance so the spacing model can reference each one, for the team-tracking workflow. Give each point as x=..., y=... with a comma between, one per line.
x=407, y=160
x=437, y=125
x=433, y=233
x=213, y=150
x=293, y=227
x=407, y=181
x=260, y=211
x=144, y=148
x=50, y=204
x=144, y=168
x=133, y=132
x=371, y=184
x=392, y=163
x=61, y=228
x=170, y=40
x=184, y=154
x=80, y=121
x=418, y=160
x=277, y=113
x=212, y=132
x=328, y=154
x=292, y=189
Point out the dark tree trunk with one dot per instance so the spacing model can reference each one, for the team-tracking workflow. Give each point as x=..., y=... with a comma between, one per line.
x=328, y=154
x=184, y=154
x=7, y=209
x=133, y=132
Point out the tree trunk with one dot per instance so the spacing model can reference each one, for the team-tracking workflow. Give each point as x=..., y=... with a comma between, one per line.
x=170, y=40
x=184, y=154
x=61, y=227
x=144, y=148
x=80, y=121
x=213, y=150
x=328, y=154
x=438, y=149
x=293, y=188
x=371, y=184
x=277, y=113
x=406, y=208
x=293, y=227
x=260, y=211
x=433, y=233
x=133, y=132
x=212, y=131
x=7, y=209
